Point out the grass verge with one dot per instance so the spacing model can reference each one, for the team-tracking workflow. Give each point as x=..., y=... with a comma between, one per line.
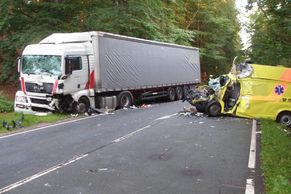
x=7, y=115
x=5, y=105
x=276, y=158
x=29, y=120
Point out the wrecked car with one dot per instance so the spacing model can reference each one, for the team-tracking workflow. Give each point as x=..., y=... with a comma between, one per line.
x=250, y=91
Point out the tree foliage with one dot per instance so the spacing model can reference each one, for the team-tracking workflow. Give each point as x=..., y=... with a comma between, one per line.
x=271, y=32
x=210, y=25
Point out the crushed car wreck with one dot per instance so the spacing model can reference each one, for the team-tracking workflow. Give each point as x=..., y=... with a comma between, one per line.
x=249, y=90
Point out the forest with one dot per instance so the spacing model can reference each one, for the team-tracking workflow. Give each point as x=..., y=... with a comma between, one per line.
x=210, y=25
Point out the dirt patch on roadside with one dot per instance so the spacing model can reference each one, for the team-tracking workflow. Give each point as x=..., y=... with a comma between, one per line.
x=9, y=90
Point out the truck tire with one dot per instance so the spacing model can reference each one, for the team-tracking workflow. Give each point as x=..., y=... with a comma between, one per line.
x=285, y=119
x=83, y=105
x=124, y=99
x=179, y=93
x=186, y=90
x=213, y=109
x=171, y=94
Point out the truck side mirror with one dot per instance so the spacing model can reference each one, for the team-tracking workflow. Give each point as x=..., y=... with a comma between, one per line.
x=68, y=66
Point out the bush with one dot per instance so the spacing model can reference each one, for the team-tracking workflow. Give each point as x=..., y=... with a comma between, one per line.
x=5, y=105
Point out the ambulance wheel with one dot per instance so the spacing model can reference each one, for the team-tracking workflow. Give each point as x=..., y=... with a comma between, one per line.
x=285, y=119
x=213, y=109
x=83, y=105
x=179, y=93
x=124, y=99
x=200, y=107
x=171, y=94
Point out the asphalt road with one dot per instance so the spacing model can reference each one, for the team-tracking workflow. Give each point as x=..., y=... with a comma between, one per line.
x=152, y=150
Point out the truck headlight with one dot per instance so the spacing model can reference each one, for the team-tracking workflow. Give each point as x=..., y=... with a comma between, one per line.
x=21, y=99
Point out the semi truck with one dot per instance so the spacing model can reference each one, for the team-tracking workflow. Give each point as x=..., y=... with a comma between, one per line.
x=77, y=71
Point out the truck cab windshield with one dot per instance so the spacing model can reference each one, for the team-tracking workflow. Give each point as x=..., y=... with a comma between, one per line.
x=41, y=64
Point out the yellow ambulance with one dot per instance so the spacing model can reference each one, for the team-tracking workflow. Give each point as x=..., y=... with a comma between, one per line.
x=251, y=91
x=266, y=93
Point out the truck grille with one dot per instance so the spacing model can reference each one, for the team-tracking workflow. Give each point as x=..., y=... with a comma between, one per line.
x=39, y=101
x=38, y=109
x=33, y=87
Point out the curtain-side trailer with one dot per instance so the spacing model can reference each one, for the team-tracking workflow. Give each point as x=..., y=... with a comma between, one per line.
x=76, y=71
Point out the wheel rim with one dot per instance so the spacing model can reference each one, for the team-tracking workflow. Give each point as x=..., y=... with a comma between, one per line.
x=124, y=101
x=179, y=93
x=82, y=108
x=286, y=120
x=186, y=90
x=214, y=110
x=171, y=94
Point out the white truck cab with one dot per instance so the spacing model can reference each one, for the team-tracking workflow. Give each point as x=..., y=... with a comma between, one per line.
x=43, y=73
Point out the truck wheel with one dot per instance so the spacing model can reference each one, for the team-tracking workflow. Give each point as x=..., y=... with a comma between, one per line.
x=179, y=93
x=83, y=105
x=171, y=94
x=213, y=109
x=186, y=90
x=124, y=99
x=285, y=119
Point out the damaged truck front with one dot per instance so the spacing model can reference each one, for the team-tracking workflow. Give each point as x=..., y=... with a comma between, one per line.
x=249, y=90
x=68, y=72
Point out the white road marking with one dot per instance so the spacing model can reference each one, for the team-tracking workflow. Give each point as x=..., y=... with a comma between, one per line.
x=250, y=187
x=252, y=154
x=130, y=134
x=40, y=128
x=166, y=117
x=40, y=174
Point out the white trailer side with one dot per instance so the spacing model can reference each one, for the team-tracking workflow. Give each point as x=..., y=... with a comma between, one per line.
x=125, y=63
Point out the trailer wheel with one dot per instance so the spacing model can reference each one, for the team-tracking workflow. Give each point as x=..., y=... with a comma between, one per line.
x=213, y=109
x=285, y=119
x=83, y=105
x=186, y=90
x=124, y=99
x=171, y=94
x=179, y=93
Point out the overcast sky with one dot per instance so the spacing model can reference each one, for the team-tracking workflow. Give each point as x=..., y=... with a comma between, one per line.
x=243, y=18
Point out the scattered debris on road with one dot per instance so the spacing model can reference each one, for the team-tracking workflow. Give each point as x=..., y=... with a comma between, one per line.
x=191, y=111
x=108, y=111
x=99, y=170
x=146, y=106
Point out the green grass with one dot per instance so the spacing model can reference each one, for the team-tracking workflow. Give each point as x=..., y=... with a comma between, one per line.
x=5, y=105
x=29, y=120
x=276, y=158
x=7, y=114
